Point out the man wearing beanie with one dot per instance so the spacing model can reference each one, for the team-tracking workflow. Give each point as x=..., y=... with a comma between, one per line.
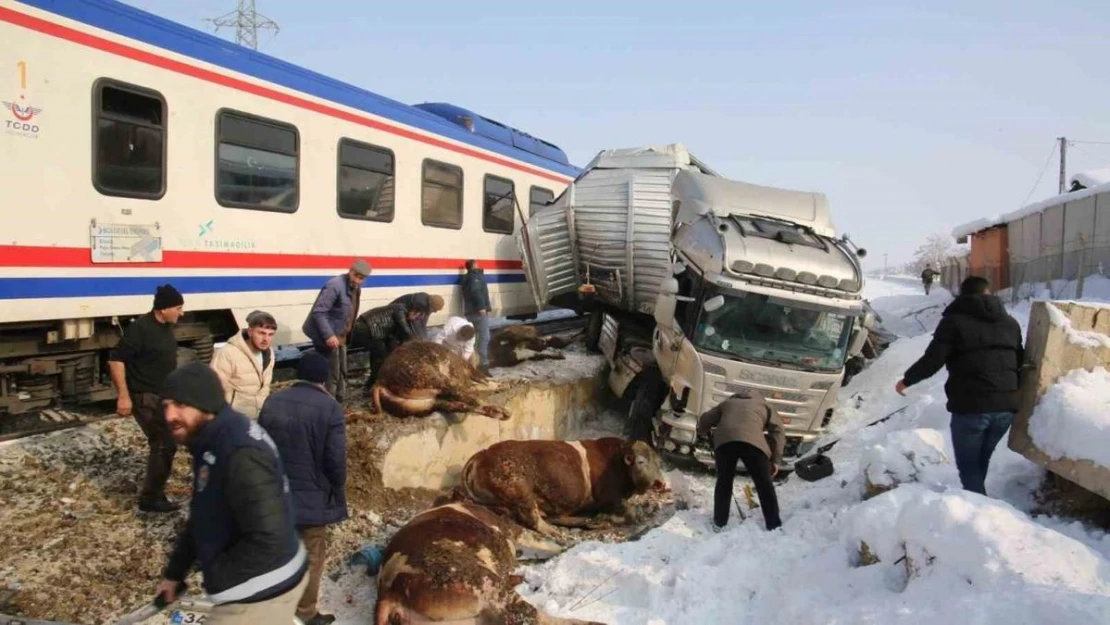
x=142, y=359
x=329, y=322
x=241, y=519
x=308, y=427
x=426, y=304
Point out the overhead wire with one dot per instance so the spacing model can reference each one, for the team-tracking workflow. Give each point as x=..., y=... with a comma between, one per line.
x=1043, y=170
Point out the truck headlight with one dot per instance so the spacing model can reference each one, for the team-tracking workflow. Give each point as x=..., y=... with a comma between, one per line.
x=683, y=436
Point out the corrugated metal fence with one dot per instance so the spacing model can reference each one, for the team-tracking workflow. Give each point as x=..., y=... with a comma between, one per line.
x=1065, y=241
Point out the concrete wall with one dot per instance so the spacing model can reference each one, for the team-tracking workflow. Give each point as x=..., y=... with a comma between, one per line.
x=1051, y=354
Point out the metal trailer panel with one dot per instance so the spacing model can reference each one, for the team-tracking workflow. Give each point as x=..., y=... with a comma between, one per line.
x=612, y=229
x=1100, y=243
x=1031, y=250
x=1052, y=241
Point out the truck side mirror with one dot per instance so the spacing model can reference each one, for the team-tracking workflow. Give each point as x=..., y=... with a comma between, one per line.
x=714, y=303
x=669, y=287
x=855, y=344
x=868, y=320
x=678, y=267
x=664, y=309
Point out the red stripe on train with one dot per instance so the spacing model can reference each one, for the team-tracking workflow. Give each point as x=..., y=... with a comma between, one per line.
x=78, y=257
x=118, y=49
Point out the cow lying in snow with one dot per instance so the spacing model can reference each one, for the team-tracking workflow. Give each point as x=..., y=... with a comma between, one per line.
x=512, y=345
x=544, y=483
x=420, y=377
x=454, y=564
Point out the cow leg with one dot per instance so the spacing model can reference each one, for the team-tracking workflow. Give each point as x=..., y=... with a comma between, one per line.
x=422, y=402
x=520, y=612
x=532, y=547
x=575, y=521
x=465, y=401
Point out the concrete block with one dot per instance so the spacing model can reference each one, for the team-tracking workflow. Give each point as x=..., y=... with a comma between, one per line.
x=1078, y=340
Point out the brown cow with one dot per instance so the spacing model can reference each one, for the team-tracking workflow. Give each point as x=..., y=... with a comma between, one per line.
x=420, y=377
x=512, y=345
x=454, y=564
x=561, y=480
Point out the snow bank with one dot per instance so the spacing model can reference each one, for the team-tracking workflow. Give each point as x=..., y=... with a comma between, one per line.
x=1072, y=419
x=1092, y=177
x=906, y=456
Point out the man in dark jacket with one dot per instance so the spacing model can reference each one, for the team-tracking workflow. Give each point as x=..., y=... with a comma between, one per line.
x=427, y=304
x=981, y=346
x=329, y=322
x=476, y=306
x=927, y=277
x=142, y=359
x=381, y=329
x=308, y=427
x=745, y=428
x=241, y=527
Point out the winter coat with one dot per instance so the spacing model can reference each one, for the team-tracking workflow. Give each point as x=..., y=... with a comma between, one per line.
x=421, y=302
x=386, y=322
x=241, y=519
x=308, y=427
x=980, y=344
x=744, y=417
x=333, y=312
x=475, y=292
x=246, y=382
x=447, y=337
x=929, y=274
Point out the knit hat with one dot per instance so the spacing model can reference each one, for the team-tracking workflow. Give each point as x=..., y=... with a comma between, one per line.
x=313, y=367
x=195, y=384
x=361, y=267
x=436, y=303
x=167, y=297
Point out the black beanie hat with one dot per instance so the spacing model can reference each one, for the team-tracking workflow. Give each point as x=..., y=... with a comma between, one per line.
x=167, y=297
x=197, y=385
x=313, y=367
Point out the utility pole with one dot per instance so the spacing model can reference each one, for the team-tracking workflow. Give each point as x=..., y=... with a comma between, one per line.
x=247, y=22
x=1063, y=162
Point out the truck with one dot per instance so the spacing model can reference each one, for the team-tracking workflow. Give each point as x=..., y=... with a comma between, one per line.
x=698, y=286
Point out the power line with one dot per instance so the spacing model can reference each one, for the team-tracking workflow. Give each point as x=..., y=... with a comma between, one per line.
x=1043, y=170
x=247, y=22
x=1090, y=142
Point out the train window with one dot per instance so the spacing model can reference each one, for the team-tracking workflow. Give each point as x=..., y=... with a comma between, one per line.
x=365, y=187
x=442, y=195
x=498, y=205
x=256, y=163
x=539, y=197
x=129, y=141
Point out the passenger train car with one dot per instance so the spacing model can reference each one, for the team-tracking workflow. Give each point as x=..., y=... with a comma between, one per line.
x=137, y=151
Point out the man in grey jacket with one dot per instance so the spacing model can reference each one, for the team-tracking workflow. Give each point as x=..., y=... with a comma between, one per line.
x=329, y=322
x=745, y=428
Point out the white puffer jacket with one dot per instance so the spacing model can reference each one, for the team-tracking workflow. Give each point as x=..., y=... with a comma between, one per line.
x=246, y=386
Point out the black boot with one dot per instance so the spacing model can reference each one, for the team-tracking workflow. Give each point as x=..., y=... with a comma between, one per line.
x=162, y=504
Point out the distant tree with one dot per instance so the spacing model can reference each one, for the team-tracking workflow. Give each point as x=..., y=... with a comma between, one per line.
x=934, y=250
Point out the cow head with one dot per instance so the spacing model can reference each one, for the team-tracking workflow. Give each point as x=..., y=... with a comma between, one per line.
x=644, y=466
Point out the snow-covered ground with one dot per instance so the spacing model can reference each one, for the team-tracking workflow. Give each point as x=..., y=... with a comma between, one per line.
x=944, y=555
x=971, y=559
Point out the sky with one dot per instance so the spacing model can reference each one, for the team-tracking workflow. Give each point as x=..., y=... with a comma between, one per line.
x=912, y=119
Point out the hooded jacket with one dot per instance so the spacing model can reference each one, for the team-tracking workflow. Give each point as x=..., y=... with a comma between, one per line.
x=246, y=384
x=475, y=292
x=981, y=346
x=745, y=417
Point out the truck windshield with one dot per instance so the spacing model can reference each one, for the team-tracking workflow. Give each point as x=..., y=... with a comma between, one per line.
x=764, y=329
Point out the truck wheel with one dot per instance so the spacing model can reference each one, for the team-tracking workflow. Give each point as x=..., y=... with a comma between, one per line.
x=593, y=331
x=645, y=402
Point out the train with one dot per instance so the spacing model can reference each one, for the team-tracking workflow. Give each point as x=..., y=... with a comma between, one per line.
x=138, y=151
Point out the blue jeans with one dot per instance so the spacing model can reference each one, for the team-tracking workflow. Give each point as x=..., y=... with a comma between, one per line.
x=481, y=345
x=974, y=437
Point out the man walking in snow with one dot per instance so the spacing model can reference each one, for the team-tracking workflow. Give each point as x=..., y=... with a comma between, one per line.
x=981, y=346
x=928, y=276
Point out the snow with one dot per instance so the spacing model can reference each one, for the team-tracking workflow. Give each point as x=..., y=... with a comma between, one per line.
x=1083, y=338
x=972, y=227
x=1072, y=419
x=944, y=555
x=907, y=456
x=1092, y=177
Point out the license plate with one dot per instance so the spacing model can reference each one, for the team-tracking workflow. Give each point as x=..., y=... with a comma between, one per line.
x=184, y=616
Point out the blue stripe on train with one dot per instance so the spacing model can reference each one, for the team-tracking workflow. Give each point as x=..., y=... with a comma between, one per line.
x=36, y=288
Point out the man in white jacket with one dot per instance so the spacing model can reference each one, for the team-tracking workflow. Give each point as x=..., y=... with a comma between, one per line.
x=246, y=364
x=457, y=335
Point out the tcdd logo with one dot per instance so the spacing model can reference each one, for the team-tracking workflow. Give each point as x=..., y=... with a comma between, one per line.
x=23, y=115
